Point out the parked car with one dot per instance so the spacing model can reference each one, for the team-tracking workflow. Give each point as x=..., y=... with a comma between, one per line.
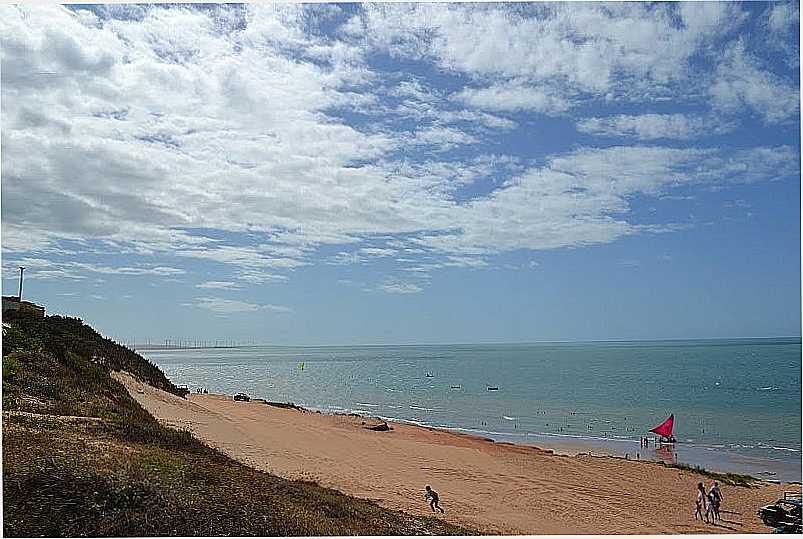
x=784, y=516
x=241, y=397
x=183, y=391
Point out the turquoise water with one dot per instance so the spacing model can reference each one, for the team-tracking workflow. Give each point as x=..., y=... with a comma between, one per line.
x=737, y=403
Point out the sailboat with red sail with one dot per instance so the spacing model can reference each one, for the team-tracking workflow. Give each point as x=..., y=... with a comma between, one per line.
x=664, y=430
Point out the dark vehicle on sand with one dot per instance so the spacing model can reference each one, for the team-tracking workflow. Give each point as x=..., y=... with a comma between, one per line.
x=784, y=515
x=241, y=397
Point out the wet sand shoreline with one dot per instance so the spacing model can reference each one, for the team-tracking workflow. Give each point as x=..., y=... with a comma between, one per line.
x=721, y=461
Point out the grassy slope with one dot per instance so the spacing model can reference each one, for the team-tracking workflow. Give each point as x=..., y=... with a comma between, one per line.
x=82, y=458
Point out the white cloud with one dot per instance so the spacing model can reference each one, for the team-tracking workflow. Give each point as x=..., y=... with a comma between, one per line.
x=377, y=252
x=583, y=197
x=344, y=258
x=242, y=257
x=442, y=115
x=220, y=285
x=591, y=48
x=513, y=97
x=183, y=133
x=741, y=82
x=654, y=126
x=259, y=277
x=399, y=287
x=442, y=178
x=223, y=306
x=783, y=29
x=125, y=270
x=360, y=256
x=136, y=134
x=44, y=269
x=465, y=262
x=476, y=117
x=782, y=17
x=423, y=268
x=441, y=137
x=415, y=89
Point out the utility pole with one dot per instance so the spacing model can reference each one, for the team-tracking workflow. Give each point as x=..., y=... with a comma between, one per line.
x=19, y=298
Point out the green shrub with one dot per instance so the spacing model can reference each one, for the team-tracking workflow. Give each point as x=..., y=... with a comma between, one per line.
x=11, y=366
x=734, y=479
x=14, y=338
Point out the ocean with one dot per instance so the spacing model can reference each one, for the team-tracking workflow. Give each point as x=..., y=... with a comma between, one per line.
x=737, y=403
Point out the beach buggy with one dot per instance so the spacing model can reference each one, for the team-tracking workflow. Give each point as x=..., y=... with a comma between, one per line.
x=784, y=515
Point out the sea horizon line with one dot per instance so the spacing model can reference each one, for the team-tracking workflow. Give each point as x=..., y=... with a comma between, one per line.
x=799, y=338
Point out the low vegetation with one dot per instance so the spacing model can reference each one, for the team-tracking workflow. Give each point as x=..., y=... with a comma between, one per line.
x=82, y=458
x=735, y=479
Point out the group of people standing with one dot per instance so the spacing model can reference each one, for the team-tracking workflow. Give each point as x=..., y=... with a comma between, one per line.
x=707, y=504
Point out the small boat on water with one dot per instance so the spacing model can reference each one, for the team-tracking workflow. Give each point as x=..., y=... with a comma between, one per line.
x=493, y=388
x=429, y=375
x=664, y=430
x=457, y=387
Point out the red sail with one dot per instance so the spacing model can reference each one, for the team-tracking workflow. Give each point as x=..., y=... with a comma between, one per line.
x=665, y=428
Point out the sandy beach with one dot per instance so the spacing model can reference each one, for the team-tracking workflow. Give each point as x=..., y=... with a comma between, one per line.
x=493, y=487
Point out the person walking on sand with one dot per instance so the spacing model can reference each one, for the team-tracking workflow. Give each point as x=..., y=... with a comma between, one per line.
x=711, y=507
x=433, y=498
x=699, y=504
x=715, y=489
x=715, y=498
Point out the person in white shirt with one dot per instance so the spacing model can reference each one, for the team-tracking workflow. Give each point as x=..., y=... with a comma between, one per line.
x=700, y=504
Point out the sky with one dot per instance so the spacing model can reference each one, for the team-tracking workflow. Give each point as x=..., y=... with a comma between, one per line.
x=405, y=173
